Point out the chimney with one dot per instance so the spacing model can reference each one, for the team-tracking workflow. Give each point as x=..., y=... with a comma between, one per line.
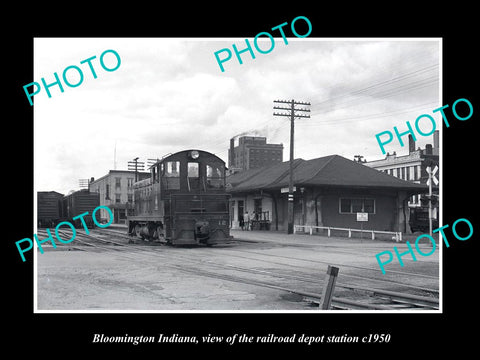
x=428, y=149
x=231, y=153
x=411, y=144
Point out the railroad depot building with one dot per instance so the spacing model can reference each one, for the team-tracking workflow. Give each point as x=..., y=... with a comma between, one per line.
x=328, y=191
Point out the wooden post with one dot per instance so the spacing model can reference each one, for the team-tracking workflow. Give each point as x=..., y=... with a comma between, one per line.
x=329, y=287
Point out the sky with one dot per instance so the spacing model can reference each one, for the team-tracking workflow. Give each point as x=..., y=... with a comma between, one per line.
x=169, y=94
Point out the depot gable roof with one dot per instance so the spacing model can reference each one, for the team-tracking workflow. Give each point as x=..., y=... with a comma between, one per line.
x=333, y=170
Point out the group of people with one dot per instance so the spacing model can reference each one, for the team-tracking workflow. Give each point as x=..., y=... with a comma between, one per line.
x=246, y=222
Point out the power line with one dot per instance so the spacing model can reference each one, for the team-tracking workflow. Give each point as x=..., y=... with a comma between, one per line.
x=407, y=88
x=381, y=83
x=344, y=120
x=379, y=90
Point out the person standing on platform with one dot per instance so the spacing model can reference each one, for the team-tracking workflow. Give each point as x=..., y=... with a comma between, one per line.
x=246, y=220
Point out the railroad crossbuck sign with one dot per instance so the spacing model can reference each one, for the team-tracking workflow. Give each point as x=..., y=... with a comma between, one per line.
x=432, y=175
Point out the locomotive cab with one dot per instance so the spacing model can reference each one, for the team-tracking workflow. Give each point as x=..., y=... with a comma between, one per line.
x=184, y=201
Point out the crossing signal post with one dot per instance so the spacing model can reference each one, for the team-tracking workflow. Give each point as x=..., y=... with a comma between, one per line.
x=292, y=114
x=431, y=178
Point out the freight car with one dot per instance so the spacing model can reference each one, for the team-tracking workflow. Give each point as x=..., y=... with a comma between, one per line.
x=77, y=203
x=49, y=208
x=183, y=202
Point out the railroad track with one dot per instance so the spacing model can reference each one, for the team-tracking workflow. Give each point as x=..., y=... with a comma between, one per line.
x=308, y=285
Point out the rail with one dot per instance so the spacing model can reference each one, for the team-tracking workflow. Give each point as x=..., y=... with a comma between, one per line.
x=396, y=235
x=325, y=299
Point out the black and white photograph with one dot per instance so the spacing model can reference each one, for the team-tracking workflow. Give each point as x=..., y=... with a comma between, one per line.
x=192, y=168
x=279, y=188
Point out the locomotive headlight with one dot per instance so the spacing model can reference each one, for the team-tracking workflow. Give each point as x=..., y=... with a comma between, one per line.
x=194, y=154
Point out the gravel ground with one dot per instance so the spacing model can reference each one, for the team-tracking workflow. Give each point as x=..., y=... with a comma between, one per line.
x=177, y=279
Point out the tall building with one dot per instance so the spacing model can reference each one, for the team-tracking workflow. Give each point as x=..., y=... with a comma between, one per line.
x=116, y=192
x=253, y=152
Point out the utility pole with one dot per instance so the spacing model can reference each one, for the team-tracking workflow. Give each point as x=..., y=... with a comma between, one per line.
x=151, y=162
x=115, y=156
x=358, y=158
x=83, y=183
x=135, y=165
x=292, y=115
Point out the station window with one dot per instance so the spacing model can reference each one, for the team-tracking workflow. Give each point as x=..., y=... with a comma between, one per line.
x=354, y=205
x=345, y=205
x=240, y=210
x=257, y=209
x=357, y=205
x=369, y=206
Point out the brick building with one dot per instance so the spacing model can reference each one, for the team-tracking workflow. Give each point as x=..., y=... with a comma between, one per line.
x=253, y=152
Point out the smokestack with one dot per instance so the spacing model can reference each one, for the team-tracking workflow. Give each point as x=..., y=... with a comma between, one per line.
x=231, y=153
x=436, y=143
x=428, y=149
x=411, y=144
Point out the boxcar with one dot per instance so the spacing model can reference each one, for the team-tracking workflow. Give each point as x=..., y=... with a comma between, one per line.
x=77, y=203
x=183, y=202
x=49, y=208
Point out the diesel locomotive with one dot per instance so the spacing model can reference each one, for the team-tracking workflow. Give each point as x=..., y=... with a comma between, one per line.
x=184, y=202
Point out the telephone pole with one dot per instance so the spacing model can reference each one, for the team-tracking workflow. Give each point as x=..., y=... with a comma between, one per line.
x=292, y=109
x=136, y=165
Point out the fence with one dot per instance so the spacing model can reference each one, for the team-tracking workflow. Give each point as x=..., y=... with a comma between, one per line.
x=396, y=235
